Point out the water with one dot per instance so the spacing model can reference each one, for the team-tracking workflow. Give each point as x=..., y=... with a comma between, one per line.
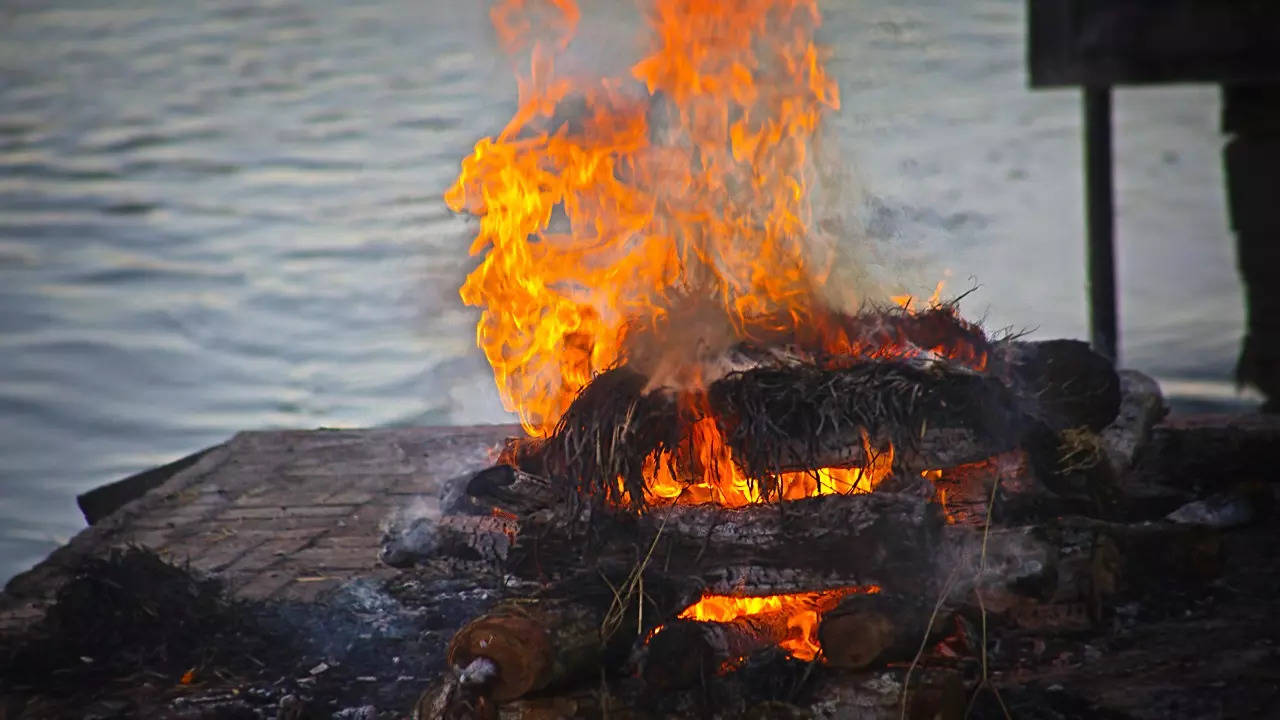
x=226, y=216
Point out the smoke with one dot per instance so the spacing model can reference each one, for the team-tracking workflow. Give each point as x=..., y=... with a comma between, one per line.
x=653, y=208
x=412, y=531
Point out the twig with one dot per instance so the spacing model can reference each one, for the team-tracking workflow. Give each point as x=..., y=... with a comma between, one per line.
x=947, y=587
x=633, y=584
x=982, y=607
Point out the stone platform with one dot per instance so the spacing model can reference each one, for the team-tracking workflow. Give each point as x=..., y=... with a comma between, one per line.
x=282, y=514
x=296, y=518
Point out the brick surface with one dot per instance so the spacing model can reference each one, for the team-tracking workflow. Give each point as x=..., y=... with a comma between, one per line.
x=221, y=552
x=281, y=514
x=263, y=585
x=324, y=559
x=277, y=512
x=310, y=588
x=345, y=541
x=274, y=548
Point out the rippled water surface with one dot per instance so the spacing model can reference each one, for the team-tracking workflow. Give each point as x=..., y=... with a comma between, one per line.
x=222, y=216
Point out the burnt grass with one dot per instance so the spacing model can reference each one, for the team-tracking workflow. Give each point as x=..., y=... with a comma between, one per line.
x=776, y=416
x=774, y=419
x=125, y=630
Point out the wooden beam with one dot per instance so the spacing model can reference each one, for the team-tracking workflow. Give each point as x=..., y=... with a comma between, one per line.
x=1130, y=42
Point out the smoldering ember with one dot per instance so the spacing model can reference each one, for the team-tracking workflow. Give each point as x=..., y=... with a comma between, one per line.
x=747, y=482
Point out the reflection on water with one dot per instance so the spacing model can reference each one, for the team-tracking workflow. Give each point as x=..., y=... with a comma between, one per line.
x=224, y=216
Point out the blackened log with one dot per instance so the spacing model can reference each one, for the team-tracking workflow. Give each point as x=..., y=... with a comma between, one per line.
x=823, y=542
x=535, y=644
x=1157, y=558
x=1061, y=383
x=515, y=491
x=1092, y=563
x=1141, y=407
x=684, y=652
x=485, y=539
x=874, y=628
x=780, y=419
x=784, y=417
x=886, y=539
x=1207, y=453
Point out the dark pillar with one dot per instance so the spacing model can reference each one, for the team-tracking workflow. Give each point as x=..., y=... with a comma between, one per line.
x=1251, y=118
x=1100, y=221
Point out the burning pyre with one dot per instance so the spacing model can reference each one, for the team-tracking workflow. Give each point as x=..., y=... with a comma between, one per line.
x=659, y=307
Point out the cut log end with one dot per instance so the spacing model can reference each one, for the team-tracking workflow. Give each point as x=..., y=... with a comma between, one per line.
x=517, y=645
x=855, y=640
x=873, y=629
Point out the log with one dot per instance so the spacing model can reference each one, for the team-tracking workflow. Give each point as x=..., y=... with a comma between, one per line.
x=1059, y=383
x=517, y=492
x=1208, y=453
x=726, y=549
x=823, y=542
x=684, y=652
x=484, y=539
x=535, y=644
x=787, y=419
x=783, y=417
x=885, y=539
x=874, y=628
x=1077, y=562
x=1141, y=407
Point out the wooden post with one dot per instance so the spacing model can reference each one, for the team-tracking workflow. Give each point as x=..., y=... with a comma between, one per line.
x=1100, y=221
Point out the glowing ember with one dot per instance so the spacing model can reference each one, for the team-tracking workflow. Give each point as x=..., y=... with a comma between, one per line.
x=801, y=613
x=723, y=482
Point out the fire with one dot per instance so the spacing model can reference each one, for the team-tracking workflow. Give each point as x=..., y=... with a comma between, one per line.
x=800, y=611
x=905, y=301
x=606, y=203
x=692, y=175
x=721, y=480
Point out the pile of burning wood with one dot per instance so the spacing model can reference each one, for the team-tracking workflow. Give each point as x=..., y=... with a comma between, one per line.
x=1005, y=507
x=735, y=489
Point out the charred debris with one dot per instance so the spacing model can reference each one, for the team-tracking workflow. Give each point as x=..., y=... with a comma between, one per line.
x=1043, y=547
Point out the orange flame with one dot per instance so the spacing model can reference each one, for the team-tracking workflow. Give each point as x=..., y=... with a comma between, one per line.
x=716, y=478
x=803, y=611
x=905, y=301
x=605, y=202
x=695, y=179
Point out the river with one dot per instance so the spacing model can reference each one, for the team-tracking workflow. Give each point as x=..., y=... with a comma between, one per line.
x=218, y=216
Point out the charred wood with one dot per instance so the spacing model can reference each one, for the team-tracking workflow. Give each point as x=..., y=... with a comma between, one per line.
x=1141, y=407
x=482, y=539
x=517, y=492
x=684, y=652
x=782, y=417
x=1079, y=563
x=1205, y=453
x=1060, y=383
x=827, y=541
